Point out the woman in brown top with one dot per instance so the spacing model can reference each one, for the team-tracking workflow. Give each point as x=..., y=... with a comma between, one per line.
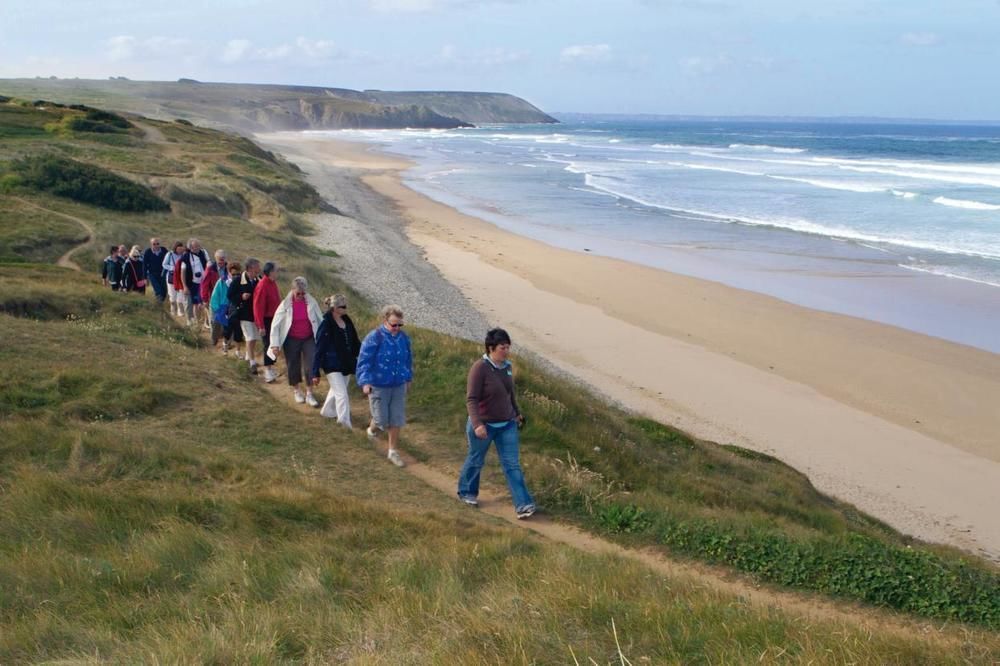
x=494, y=417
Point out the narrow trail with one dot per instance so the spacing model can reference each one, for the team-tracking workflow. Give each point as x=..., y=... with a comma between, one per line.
x=495, y=502
x=65, y=260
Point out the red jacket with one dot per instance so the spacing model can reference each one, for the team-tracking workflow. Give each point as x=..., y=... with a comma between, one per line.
x=266, y=300
x=208, y=282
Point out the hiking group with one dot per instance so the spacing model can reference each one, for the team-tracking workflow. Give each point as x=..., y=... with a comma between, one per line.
x=241, y=305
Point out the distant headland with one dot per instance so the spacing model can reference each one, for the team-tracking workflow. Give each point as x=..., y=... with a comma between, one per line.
x=263, y=107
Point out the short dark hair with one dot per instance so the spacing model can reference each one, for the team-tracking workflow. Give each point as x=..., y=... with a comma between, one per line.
x=114, y=248
x=268, y=268
x=496, y=336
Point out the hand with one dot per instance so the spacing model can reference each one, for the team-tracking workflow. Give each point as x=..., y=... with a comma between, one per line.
x=186, y=290
x=260, y=329
x=520, y=420
x=480, y=431
x=246, y=297
x=276, y=349
x=366, y=389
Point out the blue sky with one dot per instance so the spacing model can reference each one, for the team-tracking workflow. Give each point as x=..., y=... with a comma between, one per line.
x=915, y=58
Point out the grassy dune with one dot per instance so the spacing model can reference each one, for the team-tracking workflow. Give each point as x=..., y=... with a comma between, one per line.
x=158, y=504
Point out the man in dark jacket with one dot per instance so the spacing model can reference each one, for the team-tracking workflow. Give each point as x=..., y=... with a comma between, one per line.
x=192, y=269
x=152, y=260
x=241, y=295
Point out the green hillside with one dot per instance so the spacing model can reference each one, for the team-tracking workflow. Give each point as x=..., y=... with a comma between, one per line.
x=159, y=504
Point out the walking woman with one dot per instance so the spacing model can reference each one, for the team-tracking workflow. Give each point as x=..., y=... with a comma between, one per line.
x=226, y=324
x=293, y=330
x=337, y=347
x=133, y=272
x=494, y=417
x=385, y=371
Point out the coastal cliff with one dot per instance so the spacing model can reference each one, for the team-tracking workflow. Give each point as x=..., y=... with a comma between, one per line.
x=262, y=108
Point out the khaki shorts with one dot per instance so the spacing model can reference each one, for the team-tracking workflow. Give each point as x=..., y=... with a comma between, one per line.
x=250, y=332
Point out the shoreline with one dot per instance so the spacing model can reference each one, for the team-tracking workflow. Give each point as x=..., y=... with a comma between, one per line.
x=900, y=424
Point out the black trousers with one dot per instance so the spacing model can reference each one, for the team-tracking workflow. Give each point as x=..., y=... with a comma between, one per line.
x=266, y=339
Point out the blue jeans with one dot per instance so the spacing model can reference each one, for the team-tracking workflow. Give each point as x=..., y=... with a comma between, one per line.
x=159, y=286
x=507, y=440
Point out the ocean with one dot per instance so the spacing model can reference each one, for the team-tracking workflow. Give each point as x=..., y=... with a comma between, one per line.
x=890, y=222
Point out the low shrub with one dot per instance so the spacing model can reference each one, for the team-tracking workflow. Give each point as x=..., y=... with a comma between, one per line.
x=86, y=183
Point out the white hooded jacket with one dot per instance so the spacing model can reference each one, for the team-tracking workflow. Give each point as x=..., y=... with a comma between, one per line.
x=282, y=321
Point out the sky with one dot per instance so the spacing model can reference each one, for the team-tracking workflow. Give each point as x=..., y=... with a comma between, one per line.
x=885, y=58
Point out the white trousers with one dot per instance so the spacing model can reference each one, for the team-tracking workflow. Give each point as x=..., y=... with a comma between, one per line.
x=337, y=401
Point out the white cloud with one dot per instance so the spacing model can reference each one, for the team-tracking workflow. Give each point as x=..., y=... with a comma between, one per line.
x=316, y=49
x=723, y=62
x=407, y=6
x=920, y=39
x=121, y=47
x=452, y=56
x=271, y=53
x=427, y=6
x=586, y=53
x=235, y=50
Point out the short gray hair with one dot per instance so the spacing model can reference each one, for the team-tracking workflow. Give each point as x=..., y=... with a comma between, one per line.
x=390, y=310
x=300, y=283
x=251, y=262
x=220, y=254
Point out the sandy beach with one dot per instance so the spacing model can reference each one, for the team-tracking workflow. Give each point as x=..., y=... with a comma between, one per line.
x=900, y=424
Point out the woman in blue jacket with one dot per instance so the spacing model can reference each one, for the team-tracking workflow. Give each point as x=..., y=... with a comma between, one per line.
x=337, y=348
x=385, y=371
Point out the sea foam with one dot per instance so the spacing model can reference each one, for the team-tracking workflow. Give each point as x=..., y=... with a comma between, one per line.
x=962, y=203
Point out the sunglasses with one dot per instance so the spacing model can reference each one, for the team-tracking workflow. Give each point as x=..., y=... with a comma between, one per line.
x=399, y=325
x=342, y=307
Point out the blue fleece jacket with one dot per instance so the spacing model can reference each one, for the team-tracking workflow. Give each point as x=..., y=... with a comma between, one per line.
x=385, y=359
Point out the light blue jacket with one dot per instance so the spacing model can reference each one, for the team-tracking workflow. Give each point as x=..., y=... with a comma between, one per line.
x=385, y=359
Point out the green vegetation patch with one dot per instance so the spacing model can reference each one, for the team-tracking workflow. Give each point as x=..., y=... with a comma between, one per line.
x=86, y=183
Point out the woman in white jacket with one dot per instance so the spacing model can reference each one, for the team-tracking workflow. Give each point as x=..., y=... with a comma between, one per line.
x=293, y=330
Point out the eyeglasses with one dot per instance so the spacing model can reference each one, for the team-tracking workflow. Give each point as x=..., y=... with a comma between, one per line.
x=398, y=325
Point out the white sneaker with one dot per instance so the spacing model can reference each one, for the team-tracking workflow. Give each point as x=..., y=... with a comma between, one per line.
x=395, y=458
x=299, y=398
x=311, y=400
x=225, y=348
x=270, y=375
x=372, y=434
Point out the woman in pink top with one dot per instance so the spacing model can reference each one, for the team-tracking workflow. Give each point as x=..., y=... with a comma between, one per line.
x=293, y=330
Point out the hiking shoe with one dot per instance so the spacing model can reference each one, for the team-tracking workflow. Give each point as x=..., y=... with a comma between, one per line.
x=311, y=400
x=469, y=499
x=526, y=512
x=269, y=374
x=372, y=434
x=395, y=458
x=299, y=398
x=253, y=368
